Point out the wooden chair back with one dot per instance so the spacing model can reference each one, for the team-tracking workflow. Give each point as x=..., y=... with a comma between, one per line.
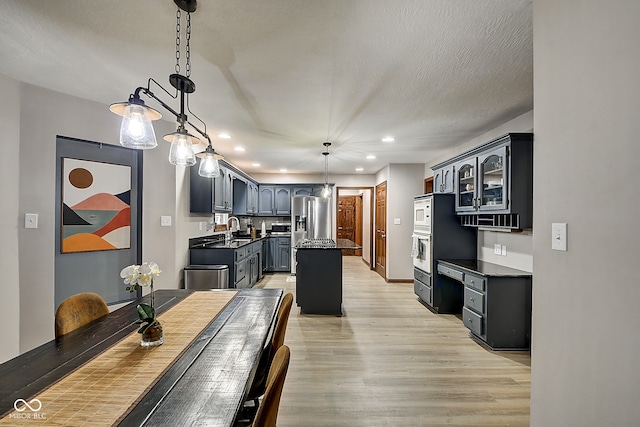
x=78, y=310
x=282, y=320
x=268, y=409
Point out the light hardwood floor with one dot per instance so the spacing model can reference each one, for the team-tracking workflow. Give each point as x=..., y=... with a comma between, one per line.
x=389, y=361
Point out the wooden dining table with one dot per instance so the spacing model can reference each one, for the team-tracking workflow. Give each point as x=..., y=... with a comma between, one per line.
x=100, y=375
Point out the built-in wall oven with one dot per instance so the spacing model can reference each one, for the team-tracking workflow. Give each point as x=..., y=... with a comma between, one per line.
x=421, y=250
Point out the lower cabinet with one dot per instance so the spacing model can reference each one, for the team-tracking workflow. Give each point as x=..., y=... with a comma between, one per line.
x=279, y=254
x=497, y=306
x=245, y=262
x=422, y=286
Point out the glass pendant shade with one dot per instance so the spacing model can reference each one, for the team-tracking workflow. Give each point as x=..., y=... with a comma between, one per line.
x=209, y=166
x=181, y=151
x=136, y=130
x=326, y=191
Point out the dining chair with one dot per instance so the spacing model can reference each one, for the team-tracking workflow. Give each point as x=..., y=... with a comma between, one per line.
x=259, y=385
x=268, y=410
x=78, y=310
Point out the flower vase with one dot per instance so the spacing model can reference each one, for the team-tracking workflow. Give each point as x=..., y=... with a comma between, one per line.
x=153, y=336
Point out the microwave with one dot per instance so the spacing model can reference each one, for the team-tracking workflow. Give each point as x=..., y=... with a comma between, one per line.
x=280, y=228
x=422, y=214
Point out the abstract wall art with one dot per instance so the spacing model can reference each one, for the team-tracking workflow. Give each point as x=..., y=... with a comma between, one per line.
x=96, y=206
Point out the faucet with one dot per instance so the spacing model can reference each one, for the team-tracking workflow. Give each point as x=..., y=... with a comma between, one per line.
x=233, y=228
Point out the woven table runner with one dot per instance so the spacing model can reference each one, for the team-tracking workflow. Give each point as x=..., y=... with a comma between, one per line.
x=107, y=387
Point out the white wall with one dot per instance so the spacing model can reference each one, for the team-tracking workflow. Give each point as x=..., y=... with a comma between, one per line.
x=10, y=218
x=585, y=301
x=404, y=182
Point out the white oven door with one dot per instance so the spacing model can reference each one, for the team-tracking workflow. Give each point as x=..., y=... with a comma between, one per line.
x=422, y=259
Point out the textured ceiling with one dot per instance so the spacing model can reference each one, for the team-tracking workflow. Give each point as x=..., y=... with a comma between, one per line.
x=283, y=76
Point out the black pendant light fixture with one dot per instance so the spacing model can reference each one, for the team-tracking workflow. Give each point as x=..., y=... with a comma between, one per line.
x=136, y=130
x=326, y=191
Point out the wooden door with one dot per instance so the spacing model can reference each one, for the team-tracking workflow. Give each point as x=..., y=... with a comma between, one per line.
x=381, y=230
x=350, y=221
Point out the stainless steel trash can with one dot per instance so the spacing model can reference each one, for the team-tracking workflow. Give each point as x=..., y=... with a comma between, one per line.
x=206, y=277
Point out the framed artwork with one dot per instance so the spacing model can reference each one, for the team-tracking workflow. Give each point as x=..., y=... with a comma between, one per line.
x=96, y=206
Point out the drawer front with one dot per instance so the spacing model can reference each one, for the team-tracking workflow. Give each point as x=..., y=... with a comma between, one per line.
x=451, y=272
x=473, y=321
x=474, y=300
x=424, y=292
x=241, y=253
x=476, y=282
x=422, y=276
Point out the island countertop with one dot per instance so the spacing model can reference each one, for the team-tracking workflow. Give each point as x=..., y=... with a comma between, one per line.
x=339, y=244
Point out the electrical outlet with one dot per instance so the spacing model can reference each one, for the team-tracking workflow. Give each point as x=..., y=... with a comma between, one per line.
x=497, y=250
x=396, y=221
x=503, y=250
x=165, y=221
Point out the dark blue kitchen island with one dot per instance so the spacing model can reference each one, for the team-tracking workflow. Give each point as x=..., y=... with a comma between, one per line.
x=319, y=275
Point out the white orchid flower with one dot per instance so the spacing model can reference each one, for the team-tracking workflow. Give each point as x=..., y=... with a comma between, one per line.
x=130, y=274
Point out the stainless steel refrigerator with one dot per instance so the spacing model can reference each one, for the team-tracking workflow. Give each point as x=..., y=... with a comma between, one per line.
x=310, y=219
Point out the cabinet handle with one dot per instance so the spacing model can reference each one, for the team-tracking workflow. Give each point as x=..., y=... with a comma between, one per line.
x=470, y=321
x=472, y=282
x=471, y=299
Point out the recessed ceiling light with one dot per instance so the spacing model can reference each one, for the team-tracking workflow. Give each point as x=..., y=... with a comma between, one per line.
x=255, y=164
x=388, y=139
x=224, y=135
x=283, y=170
x=371, y=157
x=359, y=169
x=239, y=149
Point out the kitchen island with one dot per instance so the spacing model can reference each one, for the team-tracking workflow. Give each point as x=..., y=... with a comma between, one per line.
x=319, y=275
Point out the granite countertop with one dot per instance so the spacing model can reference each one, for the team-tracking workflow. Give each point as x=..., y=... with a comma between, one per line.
x=214, y=242
x=484, y=268
x=339, y=244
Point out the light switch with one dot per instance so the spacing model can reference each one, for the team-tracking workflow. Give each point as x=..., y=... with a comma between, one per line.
x=497, y=250
x=559, y=236
x=396, y=221
x=165, y=221
x=30, y=220
x=503, y=250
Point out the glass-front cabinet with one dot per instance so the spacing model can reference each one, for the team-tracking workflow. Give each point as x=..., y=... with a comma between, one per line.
x=466, y=182
x=482, y=182
x=493, y=183
x=492, y=180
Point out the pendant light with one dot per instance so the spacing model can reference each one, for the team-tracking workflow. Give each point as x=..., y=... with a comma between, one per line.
x=209, y=166
x=181, y=151
x=136, y=130
x=326, y=191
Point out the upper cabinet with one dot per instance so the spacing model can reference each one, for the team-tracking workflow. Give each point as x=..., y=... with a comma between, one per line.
x=443, y=179
x=200, y=192
x=223, y=191
x=493, y=183
x=207, y=195
x=274, y=200
x=252, y=198
x=307, y=190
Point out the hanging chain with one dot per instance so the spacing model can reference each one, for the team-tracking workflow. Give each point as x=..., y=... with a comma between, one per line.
x=188, y=48
x=178, y=41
